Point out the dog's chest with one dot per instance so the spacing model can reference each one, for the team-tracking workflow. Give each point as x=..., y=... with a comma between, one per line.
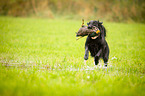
x=94, y=46
x=94, y=43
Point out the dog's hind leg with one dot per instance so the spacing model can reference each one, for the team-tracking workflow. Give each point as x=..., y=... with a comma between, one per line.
x=98, y=65
x=96, y=60
x=106, y=57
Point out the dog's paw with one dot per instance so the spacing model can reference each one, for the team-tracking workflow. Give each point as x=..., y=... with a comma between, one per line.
x=97, y=66
x=86, y=57
x=105, y=66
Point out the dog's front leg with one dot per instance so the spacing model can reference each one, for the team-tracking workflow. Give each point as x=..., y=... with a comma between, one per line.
x=86, y=54
x=99, y=53
x=96, y=58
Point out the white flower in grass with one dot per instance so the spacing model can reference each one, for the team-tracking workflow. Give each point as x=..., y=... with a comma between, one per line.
x=113, y=58
x=88, y=77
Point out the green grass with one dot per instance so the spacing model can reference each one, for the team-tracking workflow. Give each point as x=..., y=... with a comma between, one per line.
x=42, y=57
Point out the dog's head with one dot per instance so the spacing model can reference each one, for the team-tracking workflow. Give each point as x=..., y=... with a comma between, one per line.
x=94, y=23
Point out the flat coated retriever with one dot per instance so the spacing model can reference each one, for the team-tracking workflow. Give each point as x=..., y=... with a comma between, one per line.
x=97, y=45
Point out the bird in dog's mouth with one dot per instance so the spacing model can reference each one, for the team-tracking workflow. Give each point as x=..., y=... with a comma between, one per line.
x=84, y=31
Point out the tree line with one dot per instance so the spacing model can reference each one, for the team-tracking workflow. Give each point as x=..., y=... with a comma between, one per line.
x=110, y=10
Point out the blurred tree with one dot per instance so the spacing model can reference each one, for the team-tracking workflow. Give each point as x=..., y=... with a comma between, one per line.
x=34, y=6
x=111, y=10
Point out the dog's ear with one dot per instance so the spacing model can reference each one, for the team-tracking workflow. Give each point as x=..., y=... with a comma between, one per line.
x=100, y=22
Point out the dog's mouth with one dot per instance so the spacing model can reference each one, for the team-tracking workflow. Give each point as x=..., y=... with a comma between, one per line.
x=96, y=34
x=94, y=37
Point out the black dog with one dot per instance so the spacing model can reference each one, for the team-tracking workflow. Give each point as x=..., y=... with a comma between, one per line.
x=97, y=45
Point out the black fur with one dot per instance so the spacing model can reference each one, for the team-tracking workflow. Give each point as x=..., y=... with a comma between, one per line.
x=98, y=47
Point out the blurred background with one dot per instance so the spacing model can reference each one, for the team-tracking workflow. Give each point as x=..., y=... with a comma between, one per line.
x=108, y=10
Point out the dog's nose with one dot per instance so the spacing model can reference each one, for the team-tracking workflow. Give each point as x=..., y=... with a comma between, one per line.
x=89, y=27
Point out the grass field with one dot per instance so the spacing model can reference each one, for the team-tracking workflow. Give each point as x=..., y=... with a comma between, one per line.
x=42, y=57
